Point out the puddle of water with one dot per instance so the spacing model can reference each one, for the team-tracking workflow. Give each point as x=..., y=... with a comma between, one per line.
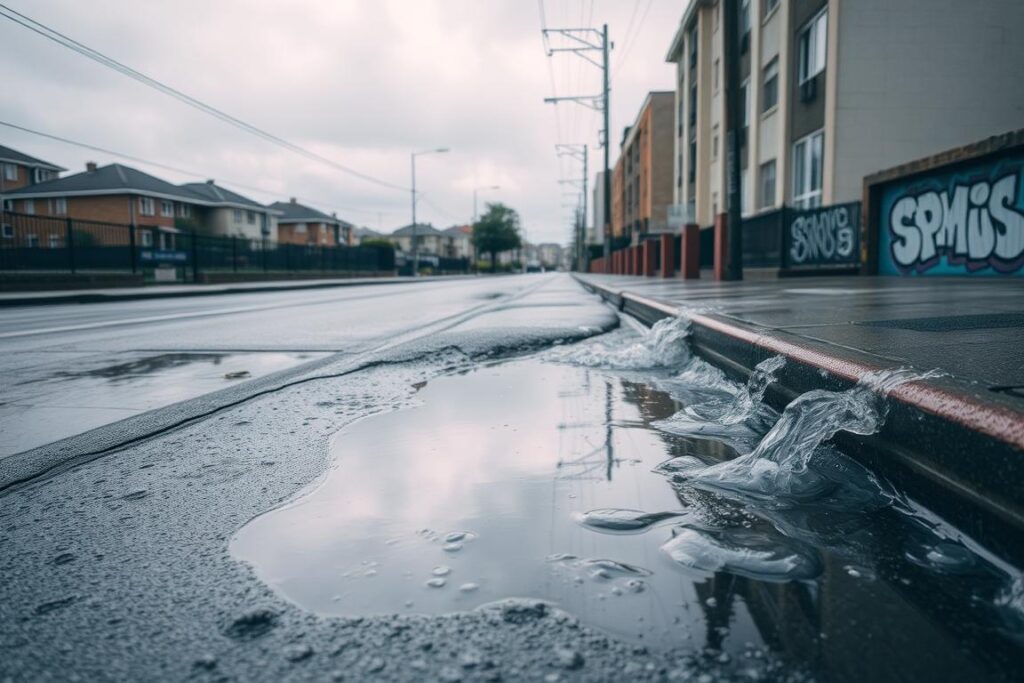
x=558, y=482
x=88, y=394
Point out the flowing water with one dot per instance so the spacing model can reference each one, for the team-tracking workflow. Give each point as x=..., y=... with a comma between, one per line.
x=641, y=490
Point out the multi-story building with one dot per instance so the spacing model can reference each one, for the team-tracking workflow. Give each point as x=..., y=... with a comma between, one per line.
x=301, y=224
x=19, y=170
x=595, y=235
x=642, y=178
x=834, y=90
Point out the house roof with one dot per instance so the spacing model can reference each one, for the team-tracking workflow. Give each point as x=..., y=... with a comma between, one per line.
x=13, y=156
x=214, y=194
x=367, y=232
x=422, y=230
x=293, y=212
x=459, y=231
x=105, y=180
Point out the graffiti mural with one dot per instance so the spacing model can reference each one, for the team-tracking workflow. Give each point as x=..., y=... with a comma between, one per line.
x=952, y=223
x=827, y=236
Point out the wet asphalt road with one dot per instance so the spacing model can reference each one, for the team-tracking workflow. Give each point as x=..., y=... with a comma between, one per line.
x=114, y=544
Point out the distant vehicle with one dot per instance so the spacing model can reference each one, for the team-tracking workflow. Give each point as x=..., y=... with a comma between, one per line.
x=534, y=267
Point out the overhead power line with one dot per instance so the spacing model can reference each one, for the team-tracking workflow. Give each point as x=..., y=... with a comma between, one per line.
x=183, y=171
x=99, y=57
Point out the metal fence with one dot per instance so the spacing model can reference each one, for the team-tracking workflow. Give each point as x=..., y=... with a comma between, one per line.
x=44, y=244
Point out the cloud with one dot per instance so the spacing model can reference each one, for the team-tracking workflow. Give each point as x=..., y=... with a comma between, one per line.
x=363, y=82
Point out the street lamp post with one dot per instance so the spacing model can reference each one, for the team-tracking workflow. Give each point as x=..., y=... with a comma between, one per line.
x=415, y=230
x=477, y=189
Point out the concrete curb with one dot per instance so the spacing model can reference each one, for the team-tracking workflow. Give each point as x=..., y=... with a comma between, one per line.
x=86, y=297
x=944, y=439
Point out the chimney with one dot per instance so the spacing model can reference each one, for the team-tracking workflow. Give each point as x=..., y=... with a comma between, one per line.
x=210, y=181
x=292, y=200
x=90, y=167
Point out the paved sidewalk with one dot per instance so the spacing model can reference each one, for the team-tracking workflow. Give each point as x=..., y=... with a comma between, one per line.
x=957, y=438
x=170, y=291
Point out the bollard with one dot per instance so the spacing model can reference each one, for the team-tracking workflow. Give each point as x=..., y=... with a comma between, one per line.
x=690, y=260
x=668, y=254
x=647, y=258
x=721, y=247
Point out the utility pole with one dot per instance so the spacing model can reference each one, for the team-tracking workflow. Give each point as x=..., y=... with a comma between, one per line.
x=581, y=41
x=734, y=124
x=580, y=153
x=415, y=228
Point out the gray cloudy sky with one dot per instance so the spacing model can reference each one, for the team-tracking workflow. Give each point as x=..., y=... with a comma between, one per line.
x=363, y=82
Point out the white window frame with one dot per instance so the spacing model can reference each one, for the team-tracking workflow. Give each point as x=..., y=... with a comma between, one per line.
x=806, y=187
x=745, y=88
x=166, y=208
x=236, y=215
x=812, y=47
x=146, y=238
x=147, y=207
x=60, y=206
x=769, y=73
x=40, y=175
x=7, y=231
x=250, y=217
x=770, y=6
x=29, y=206
x=767, y=199
x=54, y=242
x=32, y=241
x=744, y=18
x=183, y=210
x=11, y=172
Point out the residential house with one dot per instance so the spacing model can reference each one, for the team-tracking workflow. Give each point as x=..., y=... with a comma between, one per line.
x=221, y=212
x=642, y=178
x=301, y=224
x=458, y=242
x=103, y=199
x=430, y=239
x=362, y=234
x=19, y=170
x=833, y=91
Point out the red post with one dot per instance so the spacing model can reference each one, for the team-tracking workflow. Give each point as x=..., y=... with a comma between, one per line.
x=668, y=254
x=691, y=252
x=721, y=246
x=636, y=261
x=615, y=262
x=648, y=258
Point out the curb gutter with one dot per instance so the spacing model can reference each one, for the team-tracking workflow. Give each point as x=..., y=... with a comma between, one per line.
x=945, y=440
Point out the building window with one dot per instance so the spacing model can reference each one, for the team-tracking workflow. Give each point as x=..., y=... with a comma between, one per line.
x=238, y=215
x=32, y=240
x=808, y=156
x=693, y=46
x=714, y=75
x=167, y=208
x=812, y=47
x=679, y=170
x=10, y=172
x=8, y=205
x=29, y=205
x=745, y=99
x=769, y=7
x=54, y=241
x=767, y=183
x=146, y=206
x=42, y=175
x=250, y=217
x=770, y=85
x=146, y=238
x=716, y=18
x=693, y=104
x=183, y=210
x=744, y=17
x=7, y=231
x=693, y=161
x=714, y=143
x=300, y=228
x=59, y=207
x=679, y=118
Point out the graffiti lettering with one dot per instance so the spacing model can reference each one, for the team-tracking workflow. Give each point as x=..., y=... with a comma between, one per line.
x=977, y=225
x=825, y=236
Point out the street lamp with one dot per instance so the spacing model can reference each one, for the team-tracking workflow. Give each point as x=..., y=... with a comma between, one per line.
x=415, y=240
x=477, y=189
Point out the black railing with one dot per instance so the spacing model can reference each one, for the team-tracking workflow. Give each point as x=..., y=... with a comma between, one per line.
x=45, y=244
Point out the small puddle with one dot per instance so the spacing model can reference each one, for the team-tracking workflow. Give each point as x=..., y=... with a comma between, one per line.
x=597, y=489
x=91, y=393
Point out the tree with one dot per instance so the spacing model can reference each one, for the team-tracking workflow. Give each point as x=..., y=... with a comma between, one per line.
x=496, y=231
x=378, y=242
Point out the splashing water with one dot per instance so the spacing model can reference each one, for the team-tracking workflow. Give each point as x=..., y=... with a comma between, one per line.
x=737, y=417
x=763, y=555
x=664, y=345
x=622, y=521
x=778, y=467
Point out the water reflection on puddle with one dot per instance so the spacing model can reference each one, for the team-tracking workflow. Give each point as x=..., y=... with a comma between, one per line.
x=532, y=479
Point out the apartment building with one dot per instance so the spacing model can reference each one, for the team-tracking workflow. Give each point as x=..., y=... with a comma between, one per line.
x=642, y=177
x=835, y=90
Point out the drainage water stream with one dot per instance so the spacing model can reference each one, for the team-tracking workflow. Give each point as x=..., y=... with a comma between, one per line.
x=603, y=478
